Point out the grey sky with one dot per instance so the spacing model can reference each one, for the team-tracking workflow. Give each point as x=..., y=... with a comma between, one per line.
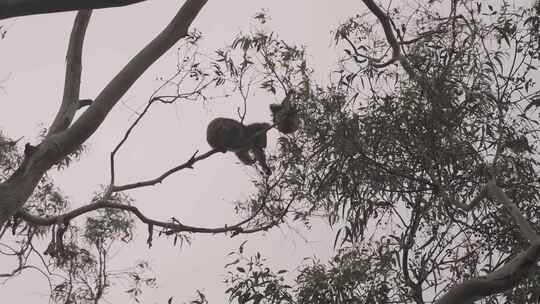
x=33, y=56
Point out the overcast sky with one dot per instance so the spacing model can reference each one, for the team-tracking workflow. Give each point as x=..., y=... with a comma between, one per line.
x=32, y=60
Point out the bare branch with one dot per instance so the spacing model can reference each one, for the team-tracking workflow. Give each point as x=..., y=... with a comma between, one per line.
x=123, y=140
x=72, y=81
x=188, y=164
x=14, y=8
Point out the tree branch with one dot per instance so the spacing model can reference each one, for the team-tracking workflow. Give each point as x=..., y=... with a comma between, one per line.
x=172, y=226
x=85, y=102
x=390, y=37
x=526, y=230
x=72, y=81
x=388, y=32
x=463, y=206
x=498, y=281
x=14, y=8
x=159, y=179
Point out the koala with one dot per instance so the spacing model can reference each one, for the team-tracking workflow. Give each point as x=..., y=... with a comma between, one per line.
x=246, y=141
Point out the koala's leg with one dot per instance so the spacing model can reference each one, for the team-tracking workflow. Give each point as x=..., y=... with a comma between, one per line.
x=260, y=157
x=244, y=157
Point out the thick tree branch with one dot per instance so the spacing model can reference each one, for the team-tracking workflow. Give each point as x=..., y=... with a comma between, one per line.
x=498, y=281
x=526, y=230
x=14, y=8
x=72, y=81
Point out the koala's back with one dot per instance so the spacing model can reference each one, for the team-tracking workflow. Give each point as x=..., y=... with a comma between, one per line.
x=225, y=134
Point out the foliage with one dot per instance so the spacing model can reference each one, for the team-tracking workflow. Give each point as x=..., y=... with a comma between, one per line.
x=252, y=282
x=74, y=260
x=394, y=154
x=354, y=275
